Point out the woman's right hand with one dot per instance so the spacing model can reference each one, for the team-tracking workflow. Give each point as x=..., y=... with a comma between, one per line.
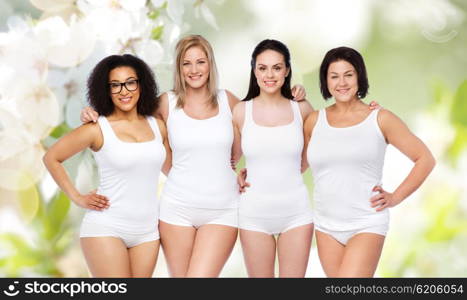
x=88, y=115
x=92, y=201
x=241, y=180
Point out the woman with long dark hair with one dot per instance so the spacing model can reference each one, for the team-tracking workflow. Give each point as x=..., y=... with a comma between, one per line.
x=269, y=130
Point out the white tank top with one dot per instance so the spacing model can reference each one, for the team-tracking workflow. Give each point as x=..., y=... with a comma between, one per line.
x=128, y=177
x=346, y=164
x=201, y=175
x=273, y=160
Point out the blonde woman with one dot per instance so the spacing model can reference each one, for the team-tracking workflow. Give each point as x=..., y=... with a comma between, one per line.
x=199, y=204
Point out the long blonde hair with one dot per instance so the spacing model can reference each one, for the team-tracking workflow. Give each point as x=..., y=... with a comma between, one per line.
x=179, y=83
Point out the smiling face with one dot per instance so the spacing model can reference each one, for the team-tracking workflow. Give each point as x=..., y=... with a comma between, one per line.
x=128, y=96
x=195, y=67
x=342, y=81
x=270, y=71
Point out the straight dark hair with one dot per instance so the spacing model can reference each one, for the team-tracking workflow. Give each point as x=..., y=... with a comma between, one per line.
x=268, y=44
x=98, y=93
x=351, y=56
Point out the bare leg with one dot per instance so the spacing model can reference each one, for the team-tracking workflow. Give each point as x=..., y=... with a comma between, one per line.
x=259, y=251
x=330, y=252
x=213, y=246
x=106, y=256
x=293, y=248
x=362, y=254
x=177, y=244
x=143, y=258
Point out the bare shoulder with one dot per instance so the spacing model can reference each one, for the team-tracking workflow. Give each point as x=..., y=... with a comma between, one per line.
x=305, y=105
x=164, y=97
x=89, y=134
x=238, y=114
x=90, y=129
x=162, y=127
x=239, y=109
x=311, y=120
x=163, y=100
x=390, y=123
x=386, y=116
x=305, y=108
x=233, y=100
x=163, y=110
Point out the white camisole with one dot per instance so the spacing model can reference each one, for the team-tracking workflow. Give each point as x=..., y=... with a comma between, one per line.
x=273, y=161
x=346, y=164
x=128, y=177
x=201, y=175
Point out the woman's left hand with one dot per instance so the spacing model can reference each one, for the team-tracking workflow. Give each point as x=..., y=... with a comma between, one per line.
x=241, y=180
x=298, y=92
x=383, y=199
x=233, y=164
x=374, y=105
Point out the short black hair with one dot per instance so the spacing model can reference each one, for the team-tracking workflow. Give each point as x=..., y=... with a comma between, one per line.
x=351, y=56
x=268, y=44
x=98, y=93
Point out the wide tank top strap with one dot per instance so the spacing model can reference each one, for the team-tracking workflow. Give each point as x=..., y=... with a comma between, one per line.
x=248, y=112
x=321, y=122
x=223, y=102
x=374, y=115
x=172, y=98
x=155, y=127
x=107, y=131
x=297, y=115
x=373, y=119
x=110, y=139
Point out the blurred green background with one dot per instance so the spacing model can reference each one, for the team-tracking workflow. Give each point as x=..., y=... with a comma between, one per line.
x=416, y=57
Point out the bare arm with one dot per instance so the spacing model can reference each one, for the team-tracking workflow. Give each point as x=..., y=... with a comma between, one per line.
x=233, y=100
x=87, y=135
x=238, y=120
x=398, y=135
x=168, y=158
x=305, y=109
x=236, y=152
x=307, y=132
x=238, y=117
x=162, y=111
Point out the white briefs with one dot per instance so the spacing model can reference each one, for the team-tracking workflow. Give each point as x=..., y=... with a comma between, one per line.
x=344, y=236
x=129, y=239
x=275, y=226
x=181, y=215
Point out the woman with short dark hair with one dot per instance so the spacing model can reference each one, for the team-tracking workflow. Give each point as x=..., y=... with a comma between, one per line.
x=346, y=144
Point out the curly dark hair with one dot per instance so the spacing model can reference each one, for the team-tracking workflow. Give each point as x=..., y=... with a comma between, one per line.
x=268, y=44
x=353, y=57
x=98, y=93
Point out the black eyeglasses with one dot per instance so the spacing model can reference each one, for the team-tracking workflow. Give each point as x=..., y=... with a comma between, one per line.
x=130, y=85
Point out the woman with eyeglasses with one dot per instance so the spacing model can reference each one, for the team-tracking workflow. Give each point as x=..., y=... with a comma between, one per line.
x=119, y=232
